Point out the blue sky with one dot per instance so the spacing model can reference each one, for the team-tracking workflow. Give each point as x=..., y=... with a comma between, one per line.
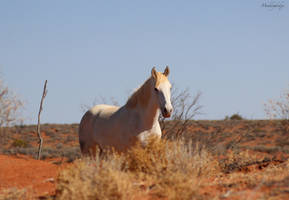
x=234, y=52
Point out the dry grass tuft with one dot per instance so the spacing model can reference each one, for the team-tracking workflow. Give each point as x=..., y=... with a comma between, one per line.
x=13, y=194
x=95, y=179
x=150, y=160
x=163, y=169
x=174, y=170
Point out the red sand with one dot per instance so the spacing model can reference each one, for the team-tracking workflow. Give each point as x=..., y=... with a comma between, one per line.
x=37, y=176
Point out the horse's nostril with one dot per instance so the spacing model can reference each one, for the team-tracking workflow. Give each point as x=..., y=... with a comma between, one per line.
x=168, y=111
x=165, y=111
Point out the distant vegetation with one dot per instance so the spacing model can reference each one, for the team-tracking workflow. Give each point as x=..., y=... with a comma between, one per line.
x=19, y=143
x=235, y=116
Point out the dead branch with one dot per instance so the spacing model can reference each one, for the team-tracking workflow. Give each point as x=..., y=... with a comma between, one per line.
x=278, y=109
x=186, y=108
x=38, y=124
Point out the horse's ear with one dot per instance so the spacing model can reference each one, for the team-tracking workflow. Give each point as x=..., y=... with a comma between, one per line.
x=154, y=73
x=167, y=71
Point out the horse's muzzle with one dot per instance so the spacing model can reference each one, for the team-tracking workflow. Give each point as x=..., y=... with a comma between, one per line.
x=166, y=112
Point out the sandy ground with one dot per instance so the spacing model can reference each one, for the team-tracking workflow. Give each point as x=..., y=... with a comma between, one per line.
x=38, y=177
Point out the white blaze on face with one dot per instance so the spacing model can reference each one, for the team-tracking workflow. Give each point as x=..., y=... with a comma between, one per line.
x=164, y=95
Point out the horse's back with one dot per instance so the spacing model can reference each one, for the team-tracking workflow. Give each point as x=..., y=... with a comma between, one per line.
x=97, y=112
x=103, y=110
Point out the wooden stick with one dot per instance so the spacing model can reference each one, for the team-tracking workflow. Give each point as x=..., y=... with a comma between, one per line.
x=38, y=125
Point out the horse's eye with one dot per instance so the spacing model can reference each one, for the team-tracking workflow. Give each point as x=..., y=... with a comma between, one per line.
x=156, y=89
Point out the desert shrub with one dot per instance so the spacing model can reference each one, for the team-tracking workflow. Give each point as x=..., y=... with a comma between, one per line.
x=242, y=160
x=4, y=137
x=278, y=108
x=273, y=177
x=235, y=160
x=21, y=150
x=162, y=169
x=49, y=133
x=59, y=146
x=269, y=150
x=235, y=116
x=282, y=141
x=19, y=143
x=71, y=153
x=186, y=107
x=181, y=171
x=45, y=155
x=89, y=179
x=10, y=106
x=144, y=159
x=70, y=138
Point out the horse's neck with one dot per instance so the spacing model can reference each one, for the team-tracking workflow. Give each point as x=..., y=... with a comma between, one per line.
x=145, y=104
x=150, y=114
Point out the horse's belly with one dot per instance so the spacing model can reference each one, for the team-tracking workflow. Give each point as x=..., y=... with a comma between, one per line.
x=111, y=133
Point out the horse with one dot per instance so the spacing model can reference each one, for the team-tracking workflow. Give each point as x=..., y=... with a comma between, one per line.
x=107, y=126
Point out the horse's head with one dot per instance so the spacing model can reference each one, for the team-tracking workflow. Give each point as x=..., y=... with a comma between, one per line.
x=162, y=91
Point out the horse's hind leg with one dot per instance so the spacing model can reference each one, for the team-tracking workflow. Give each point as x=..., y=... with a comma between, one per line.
x=100, y=153
x=82, y=147
x=92, y=152
x=85, y=152
x=97, y=150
